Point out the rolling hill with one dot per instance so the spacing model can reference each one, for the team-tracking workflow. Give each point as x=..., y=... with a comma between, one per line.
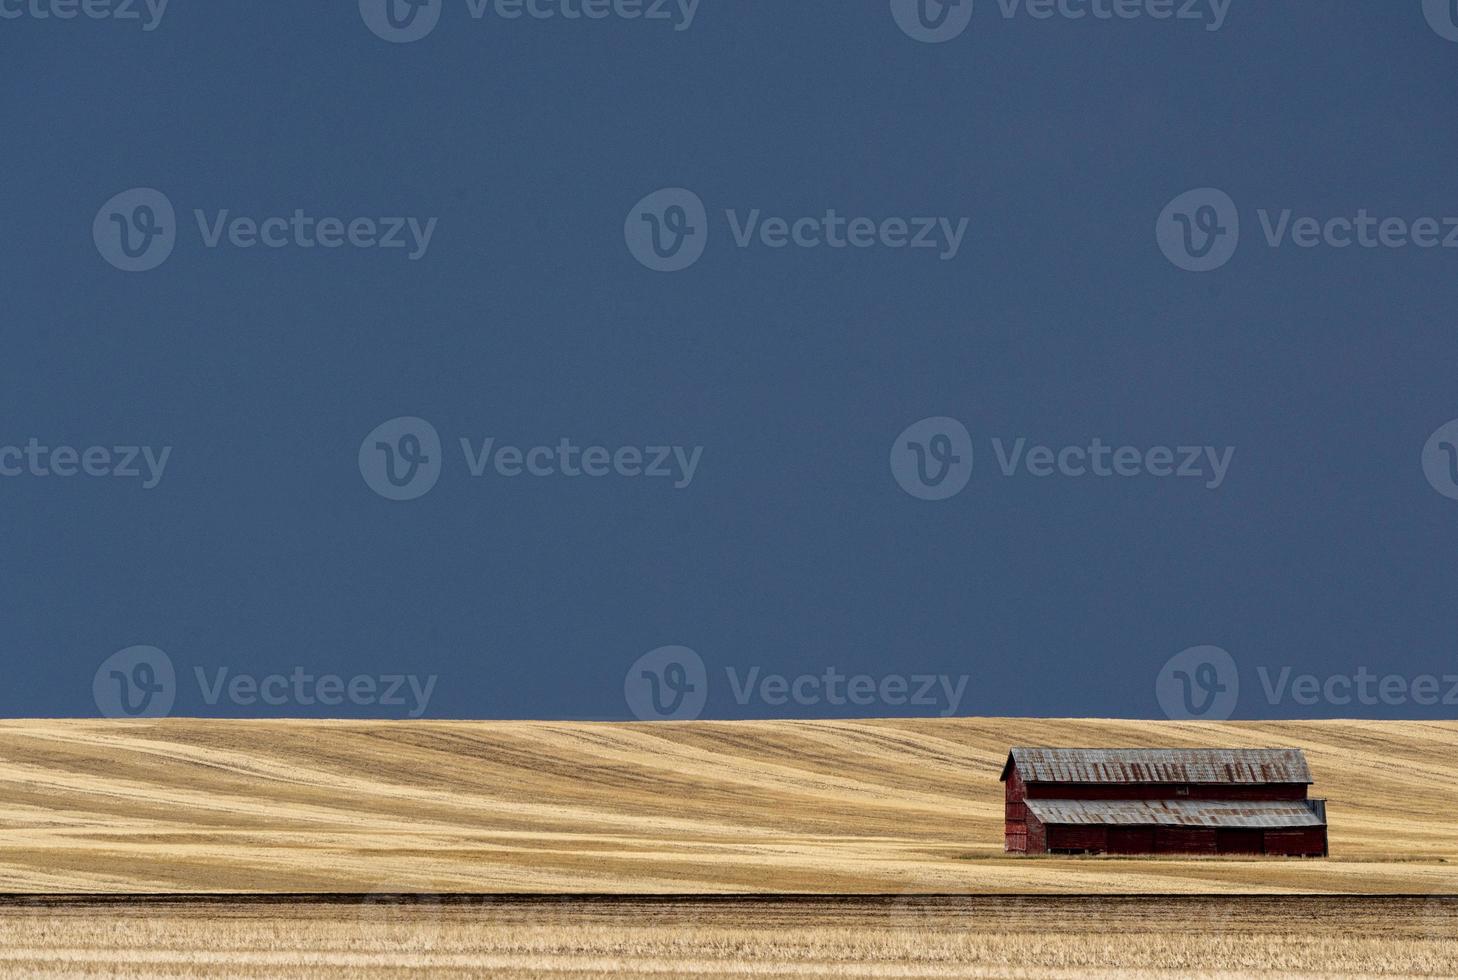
x=888, y=806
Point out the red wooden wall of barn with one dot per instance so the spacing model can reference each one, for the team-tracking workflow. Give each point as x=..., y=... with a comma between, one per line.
x=1015, y=815
x=1037, y=836
x=1296, y=842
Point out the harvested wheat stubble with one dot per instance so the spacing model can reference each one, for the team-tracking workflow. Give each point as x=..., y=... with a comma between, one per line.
x=839, y=807
x=771, y=937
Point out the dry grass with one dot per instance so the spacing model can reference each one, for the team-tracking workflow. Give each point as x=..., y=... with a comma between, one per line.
x=971, y=937
x=831, y=807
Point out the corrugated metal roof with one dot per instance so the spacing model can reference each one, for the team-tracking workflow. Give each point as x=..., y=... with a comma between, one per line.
x=1181, y=813
x=1160, y=765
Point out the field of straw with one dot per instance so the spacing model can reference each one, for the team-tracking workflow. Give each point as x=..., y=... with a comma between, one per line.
x=179, y=805
x=901, y=937
x=182, y=805
x=756, y=849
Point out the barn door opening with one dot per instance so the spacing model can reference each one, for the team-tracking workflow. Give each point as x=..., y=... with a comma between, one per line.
x=1239, y=841
x=1131, y=840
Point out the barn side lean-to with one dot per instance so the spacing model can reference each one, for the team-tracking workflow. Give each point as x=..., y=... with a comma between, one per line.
x=1162, y=801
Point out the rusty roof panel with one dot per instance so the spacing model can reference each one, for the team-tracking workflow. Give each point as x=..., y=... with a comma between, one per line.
x=1161, y=765
x=1175, y=813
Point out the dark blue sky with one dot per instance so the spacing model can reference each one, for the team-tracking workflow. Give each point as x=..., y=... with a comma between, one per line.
x=527, y=320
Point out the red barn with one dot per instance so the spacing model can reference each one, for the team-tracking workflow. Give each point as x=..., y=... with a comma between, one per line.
x=1162, y=801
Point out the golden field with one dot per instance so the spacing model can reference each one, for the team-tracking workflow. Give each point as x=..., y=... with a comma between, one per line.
x=1042, y=937
x=846, y=807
